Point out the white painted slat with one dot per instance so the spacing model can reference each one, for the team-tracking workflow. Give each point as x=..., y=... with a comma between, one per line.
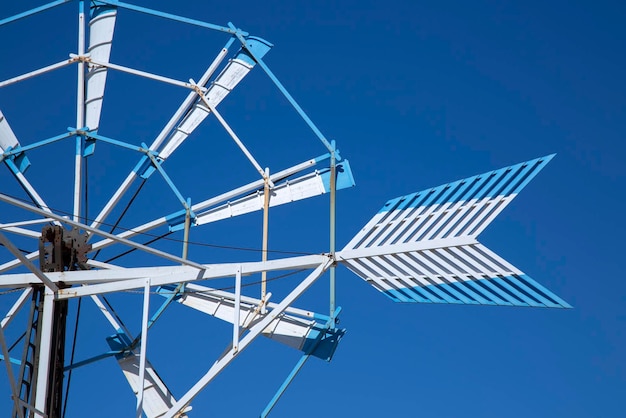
x=225, y=82
x=286, y=329
x=101, y=28
x=157, y=397
x=309, y=185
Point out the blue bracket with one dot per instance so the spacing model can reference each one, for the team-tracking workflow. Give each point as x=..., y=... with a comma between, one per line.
x=343, y=178
x=120, y=344
x=92, y=360
x=176, y=220
x=144, y=167
x=89, y=140
x=173, y=295
x=16, y=160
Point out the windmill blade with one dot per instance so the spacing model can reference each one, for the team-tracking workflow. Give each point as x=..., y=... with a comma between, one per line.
x=422, y=247
x=295, y=332
x=232, y=74
x=303, y=187
x=101, y=28
x=157, y=398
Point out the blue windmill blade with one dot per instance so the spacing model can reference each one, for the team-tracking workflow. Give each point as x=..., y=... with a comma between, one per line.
x=423, y=248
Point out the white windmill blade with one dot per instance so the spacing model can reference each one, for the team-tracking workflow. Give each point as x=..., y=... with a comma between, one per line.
x=422, y=247
x=296, y=332
x=157, y=398
x=236, y=69
x=101, y=28
x=303, y=187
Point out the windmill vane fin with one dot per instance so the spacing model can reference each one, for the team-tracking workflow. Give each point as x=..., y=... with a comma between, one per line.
x=422, y=247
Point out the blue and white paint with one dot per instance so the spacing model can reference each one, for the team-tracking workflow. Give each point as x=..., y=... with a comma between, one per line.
x=422, y=247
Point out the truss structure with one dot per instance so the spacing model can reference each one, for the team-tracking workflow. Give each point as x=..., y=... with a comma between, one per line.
x=419, y=248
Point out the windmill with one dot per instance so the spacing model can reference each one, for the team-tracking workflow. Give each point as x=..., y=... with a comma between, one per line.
x=420, y=248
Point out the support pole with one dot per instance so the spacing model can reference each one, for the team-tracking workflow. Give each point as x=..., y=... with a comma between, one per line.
x=144, y=347
x=333, y=193
x=237, y=310
x=186, y=231
x=266, y=214
x=80, y=116
x=45, y=344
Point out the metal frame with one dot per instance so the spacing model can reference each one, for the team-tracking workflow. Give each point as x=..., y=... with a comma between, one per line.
x=98, y=282
x=392, y=258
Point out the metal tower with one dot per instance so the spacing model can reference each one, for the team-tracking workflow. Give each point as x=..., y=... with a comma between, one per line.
x=420, y=247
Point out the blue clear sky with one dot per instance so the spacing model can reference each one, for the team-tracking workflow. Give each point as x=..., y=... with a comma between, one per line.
x=416, y=94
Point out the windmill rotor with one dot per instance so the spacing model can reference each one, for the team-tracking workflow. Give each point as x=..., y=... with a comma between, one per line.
x=420, y=247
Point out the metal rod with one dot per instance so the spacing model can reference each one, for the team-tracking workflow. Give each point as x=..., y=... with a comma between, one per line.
x=133, y=71
x=186, y=230
x=112, y=317
x=93, y=135
x=232, y=134
x=171, y=17
x=266, y=212
x=167, y=179
x=285, y=93
x=23, y=223
x=128, y=278
x=24, y=148
x=16, y=307
x=80, y=116
x=237, y=312
x=333, y=194
x=36, y=72
x=30, y=190
x=90, y=360
x=32, y=11
x=144, y=347
x=7, y=361
x=285, y=385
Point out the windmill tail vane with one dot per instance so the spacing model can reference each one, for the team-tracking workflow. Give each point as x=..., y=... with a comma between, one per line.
x=422, y=247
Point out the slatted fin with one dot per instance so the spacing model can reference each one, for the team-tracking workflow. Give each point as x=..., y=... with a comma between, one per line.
x=462, y=208
x=157, y=398
x=423, y=248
